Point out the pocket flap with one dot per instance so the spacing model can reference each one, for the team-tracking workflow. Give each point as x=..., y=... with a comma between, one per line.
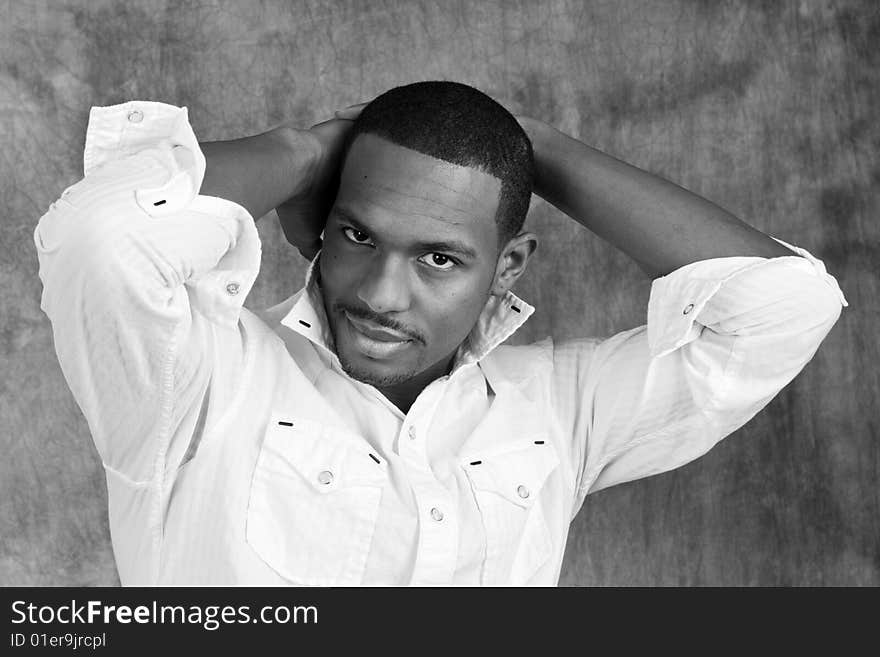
x=517, y=474
x=327, y=458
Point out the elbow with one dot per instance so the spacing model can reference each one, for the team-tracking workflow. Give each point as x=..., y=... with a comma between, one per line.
x=98, y=256
x=823, y=305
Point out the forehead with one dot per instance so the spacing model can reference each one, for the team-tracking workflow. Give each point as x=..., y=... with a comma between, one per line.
x=412, y=191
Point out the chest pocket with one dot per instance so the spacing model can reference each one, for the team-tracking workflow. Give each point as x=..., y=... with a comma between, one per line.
x=313, y=503
x=507, y=487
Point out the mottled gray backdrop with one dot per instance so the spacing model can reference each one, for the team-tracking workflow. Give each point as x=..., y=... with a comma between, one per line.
x=764, y=107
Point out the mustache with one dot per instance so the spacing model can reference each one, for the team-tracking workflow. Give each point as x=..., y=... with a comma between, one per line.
x=381, y=320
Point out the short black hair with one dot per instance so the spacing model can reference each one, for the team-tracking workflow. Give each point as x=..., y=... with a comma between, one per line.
x=461, y=125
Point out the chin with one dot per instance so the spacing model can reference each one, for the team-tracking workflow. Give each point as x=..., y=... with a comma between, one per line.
x=361, y=369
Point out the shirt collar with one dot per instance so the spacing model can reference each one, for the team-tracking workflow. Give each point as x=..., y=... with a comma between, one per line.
x=499, y=319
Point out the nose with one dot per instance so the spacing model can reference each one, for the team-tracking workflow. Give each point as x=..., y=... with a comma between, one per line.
x=385, y=288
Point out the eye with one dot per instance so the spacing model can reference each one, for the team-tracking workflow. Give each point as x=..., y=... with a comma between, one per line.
x=438, y=261
x=356, y=236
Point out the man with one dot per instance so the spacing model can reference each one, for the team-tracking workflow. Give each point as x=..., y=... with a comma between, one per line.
x=371, y=429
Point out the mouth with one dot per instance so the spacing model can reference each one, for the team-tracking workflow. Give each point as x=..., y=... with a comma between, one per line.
x=375, y=341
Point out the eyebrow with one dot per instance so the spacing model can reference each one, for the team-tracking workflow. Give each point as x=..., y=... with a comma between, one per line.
x=457, y=247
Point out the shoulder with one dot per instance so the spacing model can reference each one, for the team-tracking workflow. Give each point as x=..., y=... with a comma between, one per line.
x=519, y=362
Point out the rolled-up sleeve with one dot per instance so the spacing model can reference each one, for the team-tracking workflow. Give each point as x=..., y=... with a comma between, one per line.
x=723, y=337
x=138, y=270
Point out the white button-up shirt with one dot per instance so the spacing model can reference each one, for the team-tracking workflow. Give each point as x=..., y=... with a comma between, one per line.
x=237, y=451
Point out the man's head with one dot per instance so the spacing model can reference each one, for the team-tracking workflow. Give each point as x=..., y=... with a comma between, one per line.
x=434, y=189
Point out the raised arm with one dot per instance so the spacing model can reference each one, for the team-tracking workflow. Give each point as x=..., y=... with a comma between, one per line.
x=290, y=170
x=659, y=224
x=145, y=265
x=733, y=316
x=259, y=172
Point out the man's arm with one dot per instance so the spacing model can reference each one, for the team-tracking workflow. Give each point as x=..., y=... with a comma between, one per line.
x=259, y=172
x=129, y=261
x=729, y=323
x=659, y=224
x=290, y=170
x=145, y=266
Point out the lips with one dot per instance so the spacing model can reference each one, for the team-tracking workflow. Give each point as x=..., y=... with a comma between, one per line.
x=375, y=341
x=377, y=332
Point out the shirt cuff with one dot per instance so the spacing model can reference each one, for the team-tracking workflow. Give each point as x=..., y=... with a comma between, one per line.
x=119, y=130
x=680, y=306
x=163, y=132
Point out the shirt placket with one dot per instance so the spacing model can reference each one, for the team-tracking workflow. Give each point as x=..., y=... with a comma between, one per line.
x=437, y=549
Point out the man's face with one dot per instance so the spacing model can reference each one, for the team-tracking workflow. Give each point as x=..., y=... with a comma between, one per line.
x=409, y=257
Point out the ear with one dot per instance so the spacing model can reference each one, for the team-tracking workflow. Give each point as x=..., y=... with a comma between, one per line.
x=513, y=261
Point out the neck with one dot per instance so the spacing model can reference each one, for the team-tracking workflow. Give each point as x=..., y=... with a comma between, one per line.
x=403, y=395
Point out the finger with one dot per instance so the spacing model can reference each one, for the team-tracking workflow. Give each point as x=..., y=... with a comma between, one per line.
x=351, y=112
x=324, y=122
x=347, y=114
x=331, y=133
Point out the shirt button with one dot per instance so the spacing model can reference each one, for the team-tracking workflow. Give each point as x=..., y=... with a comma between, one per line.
x=232, y=288
x=135, y=116
x=436, y=514
x=522, y=491
x=325, y=477
x=688, y=308
x=412, y=433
